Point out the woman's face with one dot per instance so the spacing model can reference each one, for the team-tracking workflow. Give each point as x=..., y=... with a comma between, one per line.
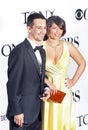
x=54, y=32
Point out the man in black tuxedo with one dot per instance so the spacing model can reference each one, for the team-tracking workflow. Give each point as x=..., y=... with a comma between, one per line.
x=26, y=73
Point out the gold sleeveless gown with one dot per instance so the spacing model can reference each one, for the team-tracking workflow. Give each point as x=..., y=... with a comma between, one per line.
x=59, y=116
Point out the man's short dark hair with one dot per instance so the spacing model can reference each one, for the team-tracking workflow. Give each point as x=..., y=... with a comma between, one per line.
x=33, y=16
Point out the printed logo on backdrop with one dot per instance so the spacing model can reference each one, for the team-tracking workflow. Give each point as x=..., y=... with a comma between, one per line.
x=76, y=96
x=81, y=14
x=82, y=120
x=47, y=14
x=3, y=118
x=74, y=40
x=6, y=49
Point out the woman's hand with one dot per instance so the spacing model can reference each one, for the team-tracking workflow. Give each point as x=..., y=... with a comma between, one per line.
x=68, y=82
x=52, y=87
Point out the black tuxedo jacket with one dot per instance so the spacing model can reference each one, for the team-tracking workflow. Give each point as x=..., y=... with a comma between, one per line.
x=25, y=82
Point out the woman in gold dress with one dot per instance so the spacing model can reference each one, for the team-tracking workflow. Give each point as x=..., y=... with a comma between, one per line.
x=58, y=53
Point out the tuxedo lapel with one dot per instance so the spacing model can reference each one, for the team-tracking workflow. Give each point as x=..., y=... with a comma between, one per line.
x=32, y=54
x=42, y=52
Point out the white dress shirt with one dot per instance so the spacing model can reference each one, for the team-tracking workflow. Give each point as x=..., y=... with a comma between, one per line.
x=37, y=53
x=38, y=56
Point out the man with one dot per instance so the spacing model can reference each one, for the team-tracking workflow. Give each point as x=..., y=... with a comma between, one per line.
x=26, y=73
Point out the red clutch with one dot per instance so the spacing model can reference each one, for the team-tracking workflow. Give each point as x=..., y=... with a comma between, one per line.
x=58, y=96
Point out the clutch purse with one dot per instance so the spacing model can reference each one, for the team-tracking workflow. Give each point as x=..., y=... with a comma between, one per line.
x=58, y=96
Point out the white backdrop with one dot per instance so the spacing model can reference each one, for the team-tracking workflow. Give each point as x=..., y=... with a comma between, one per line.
x=13, y=15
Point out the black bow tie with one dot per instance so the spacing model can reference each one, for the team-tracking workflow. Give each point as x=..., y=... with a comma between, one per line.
x=38, y=48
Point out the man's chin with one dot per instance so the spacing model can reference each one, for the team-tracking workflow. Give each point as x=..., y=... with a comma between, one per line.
x=40, y=40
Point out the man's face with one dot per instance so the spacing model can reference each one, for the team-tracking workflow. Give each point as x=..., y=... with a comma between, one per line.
x=38, y=31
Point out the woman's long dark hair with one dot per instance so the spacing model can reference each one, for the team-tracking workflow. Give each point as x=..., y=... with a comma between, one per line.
x=58, y=21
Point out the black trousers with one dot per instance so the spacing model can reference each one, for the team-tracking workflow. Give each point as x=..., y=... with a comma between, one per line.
x=34, y=126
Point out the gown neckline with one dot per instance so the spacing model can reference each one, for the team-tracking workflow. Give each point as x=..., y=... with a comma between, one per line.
x=54, y=64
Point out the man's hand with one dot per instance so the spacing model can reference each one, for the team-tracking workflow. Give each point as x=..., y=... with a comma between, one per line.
x=19, y=119
x=45, y=95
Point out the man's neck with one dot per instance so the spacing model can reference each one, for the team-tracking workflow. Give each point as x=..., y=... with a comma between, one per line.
x=38, y=43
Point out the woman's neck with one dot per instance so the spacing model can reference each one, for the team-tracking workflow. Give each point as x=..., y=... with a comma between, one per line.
x=53, y=43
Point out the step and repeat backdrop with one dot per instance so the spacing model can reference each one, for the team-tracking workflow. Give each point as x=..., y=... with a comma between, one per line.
x=13, y=16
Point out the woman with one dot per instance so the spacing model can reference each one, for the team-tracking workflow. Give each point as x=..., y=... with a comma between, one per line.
x=58, y=53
